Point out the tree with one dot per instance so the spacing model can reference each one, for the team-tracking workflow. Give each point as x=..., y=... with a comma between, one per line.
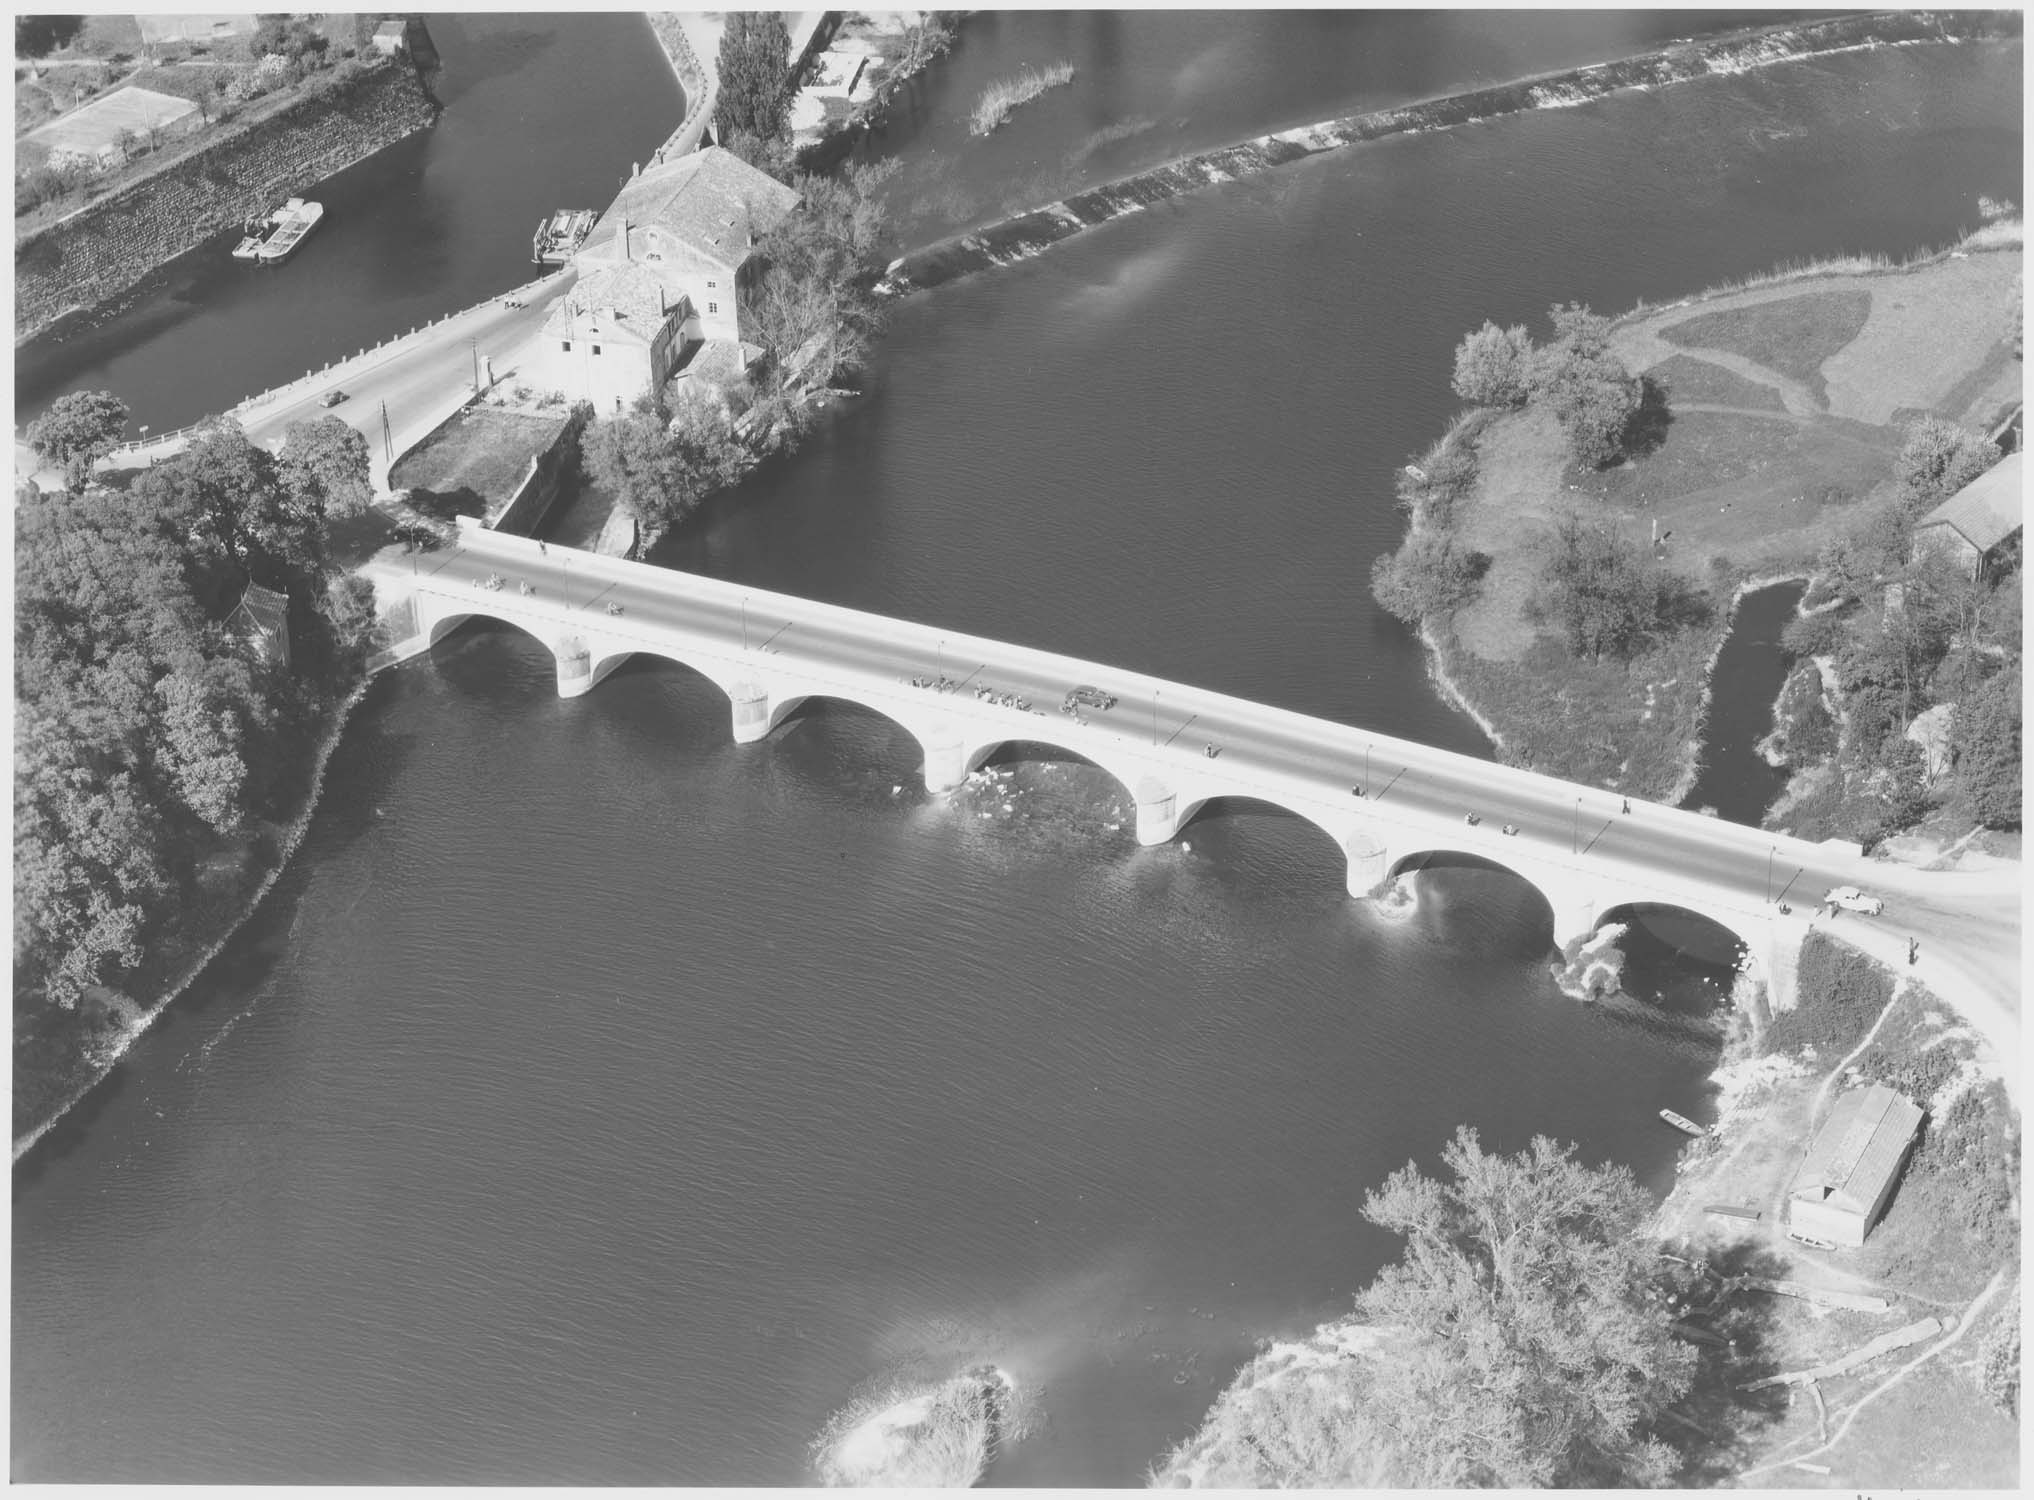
x=38, y=36
x=645, y=468
x=1428, y=575
x=1493, y=366
x=77, y=431
x=1938, y=459
x=755, y=75
x=1536, y=1356
x=812, y=300
x=1606, y=594
x=325, y=463
x=1586, y=386
x=1985, y=740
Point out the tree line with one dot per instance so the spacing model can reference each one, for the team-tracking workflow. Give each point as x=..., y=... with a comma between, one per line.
x=147, y=732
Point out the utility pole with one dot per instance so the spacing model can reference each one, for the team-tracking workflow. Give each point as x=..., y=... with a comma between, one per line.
x=474, y=346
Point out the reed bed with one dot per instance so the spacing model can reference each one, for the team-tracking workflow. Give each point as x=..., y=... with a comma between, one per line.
x=2000, y=234
x=999, y=98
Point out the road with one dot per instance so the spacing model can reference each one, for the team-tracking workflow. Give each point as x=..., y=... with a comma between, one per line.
x=1967, y=924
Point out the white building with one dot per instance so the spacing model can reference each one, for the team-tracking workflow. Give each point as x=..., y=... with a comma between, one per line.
x=660, y=276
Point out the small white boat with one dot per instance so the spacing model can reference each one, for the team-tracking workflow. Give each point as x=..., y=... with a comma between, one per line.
x=289, y=225
x=1682, y=1122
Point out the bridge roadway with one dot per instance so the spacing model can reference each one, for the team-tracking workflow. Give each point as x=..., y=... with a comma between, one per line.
x=771, y=651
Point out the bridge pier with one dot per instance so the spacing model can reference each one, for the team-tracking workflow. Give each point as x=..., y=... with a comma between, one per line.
x=1157, y=811
x=1369, y=864
x=946, y=760
x=749, y=702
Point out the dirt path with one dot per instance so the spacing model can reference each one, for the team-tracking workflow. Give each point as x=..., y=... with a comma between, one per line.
x=1964, y=1323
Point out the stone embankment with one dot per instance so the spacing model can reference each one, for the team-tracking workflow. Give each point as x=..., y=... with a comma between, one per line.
x=105, y=249
x=1028, y=234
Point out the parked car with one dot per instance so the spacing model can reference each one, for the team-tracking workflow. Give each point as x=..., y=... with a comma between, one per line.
x=1850, y=898
x=332, y=398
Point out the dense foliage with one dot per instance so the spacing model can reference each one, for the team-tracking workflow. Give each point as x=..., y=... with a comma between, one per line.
x=1588, y=389
x=1913, y=630
x=755, y=76
x=1493, y=366
x=78, y=430
x=1839, y=993
x=145, y=729
x=811, y=299
x=661, y=472
x=38, y=36
x=1605, y=592
x=1429, y=575
x=1535, y=1355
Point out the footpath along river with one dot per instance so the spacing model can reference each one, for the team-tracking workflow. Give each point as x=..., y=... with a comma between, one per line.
x=599, y=1100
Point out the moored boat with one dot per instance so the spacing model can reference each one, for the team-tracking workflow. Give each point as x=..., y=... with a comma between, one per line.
x=1682, y=1122
x=292, y=223
x=561, y=234
x=1730, y=1211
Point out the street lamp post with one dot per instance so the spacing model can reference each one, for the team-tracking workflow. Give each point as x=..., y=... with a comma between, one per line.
x=474, y=346
x=1575, y=838
x=1154, y=717
x=745, y=622
x=1366, y=769
x=1775, y=849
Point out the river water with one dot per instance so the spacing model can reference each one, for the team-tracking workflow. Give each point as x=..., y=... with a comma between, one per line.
x=599, y=1100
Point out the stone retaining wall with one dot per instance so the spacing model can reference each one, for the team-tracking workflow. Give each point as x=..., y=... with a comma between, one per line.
x=104, y=250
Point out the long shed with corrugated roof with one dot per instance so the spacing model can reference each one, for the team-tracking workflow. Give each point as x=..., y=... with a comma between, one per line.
x=1848, y=1174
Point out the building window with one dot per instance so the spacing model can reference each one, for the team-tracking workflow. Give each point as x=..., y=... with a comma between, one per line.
x=713, y=307
x=713, y=286
x=566, y=345
x=596, y=348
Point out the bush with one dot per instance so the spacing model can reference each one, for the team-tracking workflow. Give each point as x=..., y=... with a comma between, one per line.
x=1493, y=366
x=1428, y=575
x=1819, y=634
x=1998, y=1371
x=1839, y=995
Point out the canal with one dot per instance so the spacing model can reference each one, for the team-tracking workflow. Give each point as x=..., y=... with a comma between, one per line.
x=597, y=1100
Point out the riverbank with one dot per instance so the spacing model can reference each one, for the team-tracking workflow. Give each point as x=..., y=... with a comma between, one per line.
x=1758, y=474
x=1024, y=235
x=89, y=259
x=96, y=1059
x=1941, y=1416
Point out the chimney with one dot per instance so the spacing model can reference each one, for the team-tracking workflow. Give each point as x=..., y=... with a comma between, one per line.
x=635, y=169
x=661, y=309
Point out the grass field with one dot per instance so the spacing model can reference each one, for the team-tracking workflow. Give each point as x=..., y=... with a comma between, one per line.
x=483, y=452
x=1692, y=381
x=1758, y=490
x=1793, y=335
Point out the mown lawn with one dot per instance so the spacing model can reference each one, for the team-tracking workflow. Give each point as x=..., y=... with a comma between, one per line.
x=1792, y=335
x=1688, y=379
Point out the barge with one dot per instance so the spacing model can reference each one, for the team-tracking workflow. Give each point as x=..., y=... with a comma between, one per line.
x=277, y=236
x=561, y=234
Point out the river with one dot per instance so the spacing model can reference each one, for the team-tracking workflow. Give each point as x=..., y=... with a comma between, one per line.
x=599, y=1100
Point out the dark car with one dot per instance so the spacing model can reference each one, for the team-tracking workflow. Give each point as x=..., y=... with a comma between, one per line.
x=1089, y=697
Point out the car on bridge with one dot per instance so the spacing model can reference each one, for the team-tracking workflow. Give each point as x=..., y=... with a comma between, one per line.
x=1850, y=898
x=1088, y=697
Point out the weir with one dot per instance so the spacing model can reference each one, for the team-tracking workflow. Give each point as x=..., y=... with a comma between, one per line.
x=769, y=653
x=1027, y=234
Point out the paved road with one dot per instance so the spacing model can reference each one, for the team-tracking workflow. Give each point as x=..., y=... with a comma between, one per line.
x=1968, y=925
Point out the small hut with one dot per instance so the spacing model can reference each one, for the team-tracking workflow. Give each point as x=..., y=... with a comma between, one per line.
x=262, y=620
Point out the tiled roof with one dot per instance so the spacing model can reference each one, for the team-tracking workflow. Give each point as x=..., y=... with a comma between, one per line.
x=633, y=292
x=1858, y=1148
x=711, y=205
x=269, y=610
x=1987, y=510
